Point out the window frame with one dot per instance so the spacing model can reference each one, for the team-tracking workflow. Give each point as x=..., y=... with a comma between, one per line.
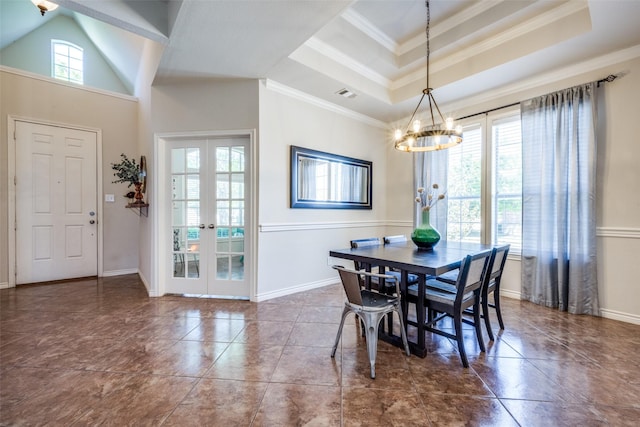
x=486, y=123
x=69, y=45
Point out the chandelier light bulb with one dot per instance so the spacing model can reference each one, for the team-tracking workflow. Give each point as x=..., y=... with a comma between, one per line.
x=459, y=129
x=397, y=134
x=449, y=123
x=416, y=125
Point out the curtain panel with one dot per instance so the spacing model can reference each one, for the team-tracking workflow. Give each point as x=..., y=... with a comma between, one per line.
x=559, y=195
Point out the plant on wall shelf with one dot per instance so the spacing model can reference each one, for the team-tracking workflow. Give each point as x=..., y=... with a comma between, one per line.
x=126, y=171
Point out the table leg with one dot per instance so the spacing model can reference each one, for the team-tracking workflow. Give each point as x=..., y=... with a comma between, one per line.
x=420, y=317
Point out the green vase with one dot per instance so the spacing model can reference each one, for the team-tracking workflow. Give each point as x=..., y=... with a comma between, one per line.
x=425, y=236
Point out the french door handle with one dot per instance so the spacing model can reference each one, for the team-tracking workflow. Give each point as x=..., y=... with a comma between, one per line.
x=212, y=226
x=201, y=227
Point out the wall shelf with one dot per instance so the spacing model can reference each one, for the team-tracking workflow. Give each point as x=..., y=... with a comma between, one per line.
x=142, y=209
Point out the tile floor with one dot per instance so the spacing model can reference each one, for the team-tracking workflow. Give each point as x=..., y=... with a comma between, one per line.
x=100, y=352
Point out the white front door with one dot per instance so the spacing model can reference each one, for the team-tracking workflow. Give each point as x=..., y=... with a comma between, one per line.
x=209, y=179
x=56, y=201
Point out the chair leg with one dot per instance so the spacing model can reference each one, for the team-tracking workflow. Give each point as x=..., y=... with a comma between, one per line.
x=371, y=322
x=478, y=326
x=403, y=332
x=496, y=303
x=457, y=321
x=335, y=345
x=485, y=314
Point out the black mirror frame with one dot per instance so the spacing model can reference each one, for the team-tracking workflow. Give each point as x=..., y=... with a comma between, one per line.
x=298, y=203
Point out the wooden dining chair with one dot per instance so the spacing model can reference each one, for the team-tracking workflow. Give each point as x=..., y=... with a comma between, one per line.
x=370, y=307
x=443, y=303
x=491, y=285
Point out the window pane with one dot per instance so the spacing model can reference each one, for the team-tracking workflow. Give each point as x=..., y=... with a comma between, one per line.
x=67, y=61
x=507, y=183
x=464, y=185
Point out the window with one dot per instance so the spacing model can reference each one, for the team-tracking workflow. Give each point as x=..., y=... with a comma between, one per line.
x=485, y=182
x=67, y=61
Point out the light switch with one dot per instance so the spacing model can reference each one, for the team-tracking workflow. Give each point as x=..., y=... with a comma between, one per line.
x=109, y=198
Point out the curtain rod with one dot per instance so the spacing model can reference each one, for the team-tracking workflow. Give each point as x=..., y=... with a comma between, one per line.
x=608, y=79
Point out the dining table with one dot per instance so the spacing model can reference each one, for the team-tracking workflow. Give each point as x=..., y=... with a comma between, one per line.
x=407, y=258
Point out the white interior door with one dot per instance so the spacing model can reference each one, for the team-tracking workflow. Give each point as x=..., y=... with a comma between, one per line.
x=56, y=201
x=208, y=216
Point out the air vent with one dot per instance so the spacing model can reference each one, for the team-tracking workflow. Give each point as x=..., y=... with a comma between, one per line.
x=346, y=93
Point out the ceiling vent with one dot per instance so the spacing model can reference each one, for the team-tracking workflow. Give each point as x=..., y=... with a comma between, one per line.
x=346, y=93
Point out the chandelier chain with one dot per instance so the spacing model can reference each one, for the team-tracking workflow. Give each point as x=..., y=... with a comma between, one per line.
x=427, y=31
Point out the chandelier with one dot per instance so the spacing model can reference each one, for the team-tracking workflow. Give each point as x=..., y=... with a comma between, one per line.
x=44, y=5
x=430, y=137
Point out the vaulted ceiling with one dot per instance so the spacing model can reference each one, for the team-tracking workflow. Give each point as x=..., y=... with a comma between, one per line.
x=374, y=48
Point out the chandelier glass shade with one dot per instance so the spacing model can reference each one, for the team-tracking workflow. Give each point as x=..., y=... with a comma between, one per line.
x=44, y=6
x=431, y=137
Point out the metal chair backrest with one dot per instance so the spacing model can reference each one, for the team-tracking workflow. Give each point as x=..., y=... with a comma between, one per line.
x=363, y=243
x=400, y=238
x=351, y=284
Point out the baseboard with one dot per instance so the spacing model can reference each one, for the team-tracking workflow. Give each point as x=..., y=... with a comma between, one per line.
x=617, y=315
x=510, y=294
x=4, y=285
x=295, y=289
x=145, y=282
x=119, y=272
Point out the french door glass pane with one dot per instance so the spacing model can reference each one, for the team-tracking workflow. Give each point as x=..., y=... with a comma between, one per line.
x=185, y=213
x=230, y=205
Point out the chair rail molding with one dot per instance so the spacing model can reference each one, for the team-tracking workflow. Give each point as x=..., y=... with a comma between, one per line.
x=303, y=226
x=618, y=232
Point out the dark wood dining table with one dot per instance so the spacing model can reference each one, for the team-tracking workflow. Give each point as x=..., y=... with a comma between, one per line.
x=407, y=258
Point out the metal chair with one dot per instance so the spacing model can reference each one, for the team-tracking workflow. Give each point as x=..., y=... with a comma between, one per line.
x=374, y=241
x=371, y=307
x=443, y=303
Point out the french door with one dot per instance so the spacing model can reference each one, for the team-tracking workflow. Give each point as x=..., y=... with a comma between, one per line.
x=208, y=213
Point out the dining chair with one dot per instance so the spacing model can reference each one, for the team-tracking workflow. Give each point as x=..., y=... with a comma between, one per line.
x=443, y=303
x=371, y=307
x=491, y=285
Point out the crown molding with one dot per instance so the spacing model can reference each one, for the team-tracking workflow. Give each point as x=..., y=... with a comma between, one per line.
x=590, y=65
x=373, y=32
x=335, y=55
x=321, y=103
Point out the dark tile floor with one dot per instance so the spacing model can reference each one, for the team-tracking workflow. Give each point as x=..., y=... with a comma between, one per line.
x=96, y=352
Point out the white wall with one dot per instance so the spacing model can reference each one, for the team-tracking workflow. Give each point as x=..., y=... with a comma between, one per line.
x=47, y=100
x=294, y=243
x=97, y=71
x=219, y=105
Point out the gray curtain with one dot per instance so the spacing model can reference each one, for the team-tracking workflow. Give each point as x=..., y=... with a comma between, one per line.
x=431, y=167
x=559, y=193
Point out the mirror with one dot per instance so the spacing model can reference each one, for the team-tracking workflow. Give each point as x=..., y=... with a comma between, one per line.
x=328, y=181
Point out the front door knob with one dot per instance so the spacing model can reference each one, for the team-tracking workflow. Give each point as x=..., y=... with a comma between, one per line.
x=211, y=226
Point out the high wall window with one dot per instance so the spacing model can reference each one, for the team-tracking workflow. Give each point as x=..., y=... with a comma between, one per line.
x=67, y=61
x=485, y=182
